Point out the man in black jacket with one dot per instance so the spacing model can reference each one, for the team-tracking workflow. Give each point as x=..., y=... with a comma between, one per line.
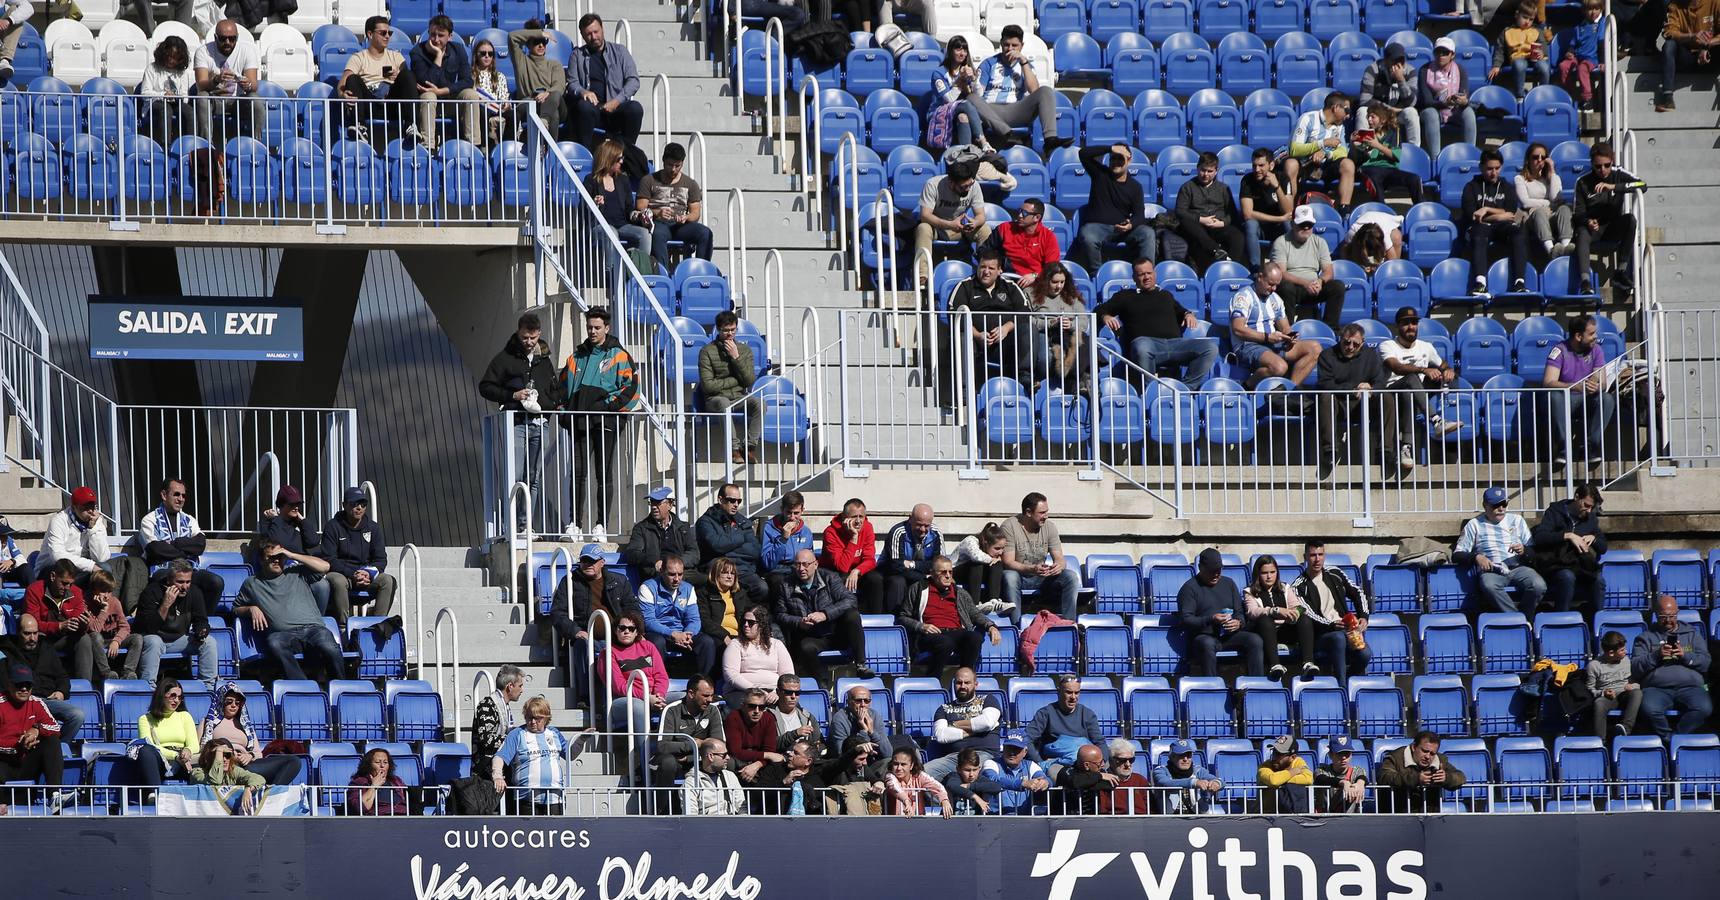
x=173, y=617
x=1600, y=216
x=996, y=324
x=1355, y=367
x=1330, y=599
x=1568, y=544
x=357, y=557
x=726, y=531
x=1151, y=322
x=1207, y=216
x=661, y=533
x=286, y=524
x=816, y=612
x=522, y=380
x=588, y=587
x=1490, y=215
x=1116, y=209
x=53, y=686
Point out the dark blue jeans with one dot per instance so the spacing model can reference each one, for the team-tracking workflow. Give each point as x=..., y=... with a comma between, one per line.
x=694, y=234
x=1563, y=586
x=1692, y=702
x=1198, y=354
x=280, y=645
x=1334, y=648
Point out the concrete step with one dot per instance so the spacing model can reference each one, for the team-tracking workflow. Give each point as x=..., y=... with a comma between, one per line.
x=813, y=275
x=1688, y=272
x=635, y=10
x=438, y=557
x=773, y=219
x=1678, y=157
x=1685, y=214
x=449, y=578
x=1698, y=104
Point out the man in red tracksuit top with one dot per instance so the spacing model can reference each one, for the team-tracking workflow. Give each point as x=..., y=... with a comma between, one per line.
x=58, y=606
x=29, y=734
x=851, y=550
x=1025, y=243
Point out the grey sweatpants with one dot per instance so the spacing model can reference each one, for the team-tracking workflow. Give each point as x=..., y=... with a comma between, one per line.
x=1000, y=118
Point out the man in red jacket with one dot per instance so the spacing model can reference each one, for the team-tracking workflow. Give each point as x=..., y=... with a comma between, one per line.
x=1026, y=243
x=851, y=550
x=29, y=735
x=59, y=606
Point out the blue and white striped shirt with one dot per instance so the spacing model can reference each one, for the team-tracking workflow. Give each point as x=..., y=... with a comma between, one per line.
x=536, y=761
x=1001, y=82
x=1494, y=541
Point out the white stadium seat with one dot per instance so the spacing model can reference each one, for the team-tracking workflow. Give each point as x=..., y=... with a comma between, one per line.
x=1001, y=13
x=311, y=15
x=126, y=59
x=289, y=66
x=74, y=60
x=352, y=13
x=946, y=18
x=186, y=33
x=277, y=33
x=66, y=30
x=98, y=13
x=119, y=29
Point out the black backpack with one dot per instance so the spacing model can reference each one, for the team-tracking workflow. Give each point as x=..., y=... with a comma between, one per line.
x=473, y=796
x=820, y=43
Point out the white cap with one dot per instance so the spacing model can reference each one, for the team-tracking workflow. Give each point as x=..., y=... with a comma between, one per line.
x=1445, y=43
x=1304, y=215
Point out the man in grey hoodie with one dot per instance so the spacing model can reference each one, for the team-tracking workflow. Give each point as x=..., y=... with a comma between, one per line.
x=1670, y=659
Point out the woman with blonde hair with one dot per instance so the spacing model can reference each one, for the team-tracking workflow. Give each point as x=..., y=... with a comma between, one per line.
x=613, y=194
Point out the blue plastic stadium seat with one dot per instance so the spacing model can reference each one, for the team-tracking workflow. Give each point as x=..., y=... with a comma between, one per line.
x=1322, y=707
x=1389, y=643
x=1626, y=575
x=1505, y=642
x=1377, y=706
x=415, y=713
x=1441, y=704
x=1158, y=645
x=1152, y=707
x=1206, y=706
x=1265, y=706
x=1393, y=587
x=1562, y=637
x=1495, y=701
x=1447, y=642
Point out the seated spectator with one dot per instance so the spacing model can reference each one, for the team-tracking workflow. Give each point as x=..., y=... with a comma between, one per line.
x=1151, y=324
x=218, y=766
x=167, y=82
x=59, y=608
x=1207, y=217
x=783, y=536
x=494, y=717
x=1582, y=55
x=1266, y=204
x=1057, y=330
x=1207, y=607
x=601, y=81
x=1577, y=366
x=1025, y=243
x=1033, y=558
x=1689, y=42
x=286, y=523
x=979, y=569
x=538, y=76
x=167, y=738
x=996, y=327
x=1318, y=145
x=226, y=70
x=1084, y=786
x=1368, y=249
x=1011, y=94
x=1413, y=777
x=951, y=208
x=968, y=723
x=971, y=793
x=1414, y=367
x=15, y=574
x=1130, y=795
x=1060, y=729
x=910, y=790
x=1490, y=217
x=856, y=719
x=1568, y=544
x=722, y=604
x=587, y=590
x=444, y=72
x=168, y=533
x=48, y=677
x=29, y=735
x=756, y=659
x=1305, y=261
x=1538, y=190
x=1285, y=779
x=1269, y=604
x=1669, y=660
x=1442, y=95
x=674, y=204
x=909, y=548
x=357, y=557
x=1389, y=225
x=751, y=734
x=108, y=636
x=815, y=612
x=1196, y=787
x=784, y=789
x=1600, y=216
x=78, y=534
x=1021, y=778
x=634, y=698
x=695, y=718
x=944, y=624
x=1389, y=83
x=612, y=191
x=1608, y=678
x=711, y=789
x=854, y=781
x=794, y=723
x=494, y=115
x=1338, y=611
x=375, y=788
x=671, y=614
x=1522, y=47
x=1375, y=149
x=1350, y=372
x=954, y=120
x=850, y=550
x=531, y=760
x=1261, y=331
x=727, y=532
x=726, y=376
x=1497, y=542
x=282, y=612
x=1345, y=786
x=1116, y=210
x=660, y=533
x=372, y=74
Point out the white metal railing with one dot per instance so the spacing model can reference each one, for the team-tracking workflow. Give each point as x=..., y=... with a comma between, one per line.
x=23, y=371
x=1688, y=344
x=848, y=204
x=488, y=683
x=518, y=569
x=412, y=560
x=636, y=729
x=811, y=155
x=699, y=158
x=69, y=433
x=662, y=117
x=740, y=278
x=447, y=615
x=884, y=238
x=775, y=298
x=775, y=87
x=591, y=657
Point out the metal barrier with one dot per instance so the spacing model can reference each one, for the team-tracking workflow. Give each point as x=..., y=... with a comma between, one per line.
x=811, y=159
x=662, y=116
x=591, y=658
x=1688, y=345
x=68, y=434
x=847, y=206
x=482, y=678
x=519, y=570
x=740, y=277
x=25, y=380
x=412, y=559
x=447, y=615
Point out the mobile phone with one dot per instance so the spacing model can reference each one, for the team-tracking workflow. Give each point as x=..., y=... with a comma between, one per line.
x=1364, y=136
x=1671, y=639
x=387, y=71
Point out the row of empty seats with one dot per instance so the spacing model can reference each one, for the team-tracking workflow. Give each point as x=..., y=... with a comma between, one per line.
x=300, y=710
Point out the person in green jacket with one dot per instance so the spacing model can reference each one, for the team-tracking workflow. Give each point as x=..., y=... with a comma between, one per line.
x=598, y=379
x=726, y=376
x=537, y=75
x=218, y=766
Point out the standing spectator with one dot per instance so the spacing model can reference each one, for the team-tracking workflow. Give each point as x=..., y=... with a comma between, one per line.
x=601, y=81
x=173, y=617
x=443, y=72
x=1351, y=372
x=674, y=204
x=910, y=790
x=537, y=75
x=951, y=208
x=1023, y=781
x=612, y=191
x=850, y=550
x=1082, y=785
x=661, y=533
x=751, y=734
x=1130, y=795
x=493, y=114
x=994, y=321
x=726, y=376
x=630, y=712
x=1568, y=544
x=1538, y=191
x=955, y=119
x=1270, y=603
x=17, y=14
x=1490, y=216
x=857, y=720
x=1389, y=82
x=1011, y=94
x=1523, y=46
x=1497, y=542
x=1207, y=606
x=521, y=380
x=723, y=606
x=1608, y=678
x=1305, y=260
x=1336, y=608
x=58, y=606
x=968, y=723
x=30, y=736
x=167, y=738
x=1116, y=209
x=1582, y=54
x=695, y=718
x=671, y=614
x=1059, y=730
x=1577, y=366
x=587, y=590
x=357, y=557
x=1196, y=787
x=1026, y=244
x=909, y=549
x=968, y=787
x=27, y=650
x=1318, y=144
x=795, y=724
x=598, y=379
x=1669, y=660
x=1062, y=316
x=1266, y=204
x=226, y=71
x=1345, y=785
x=1600, y=216
x=286, y=524
x=783, y=536
x=1033, y=558
x=725, y=531
x=168, y=533
x=167, y=83
x=108, y=636
x=184, y=12
x=816, y=612
x=1415, y=367
x=942, y=622
x=376, y=789
x=1207, y=216
x=1261, y=333
x=1413, y=777
x=1285, y=779
x=1442, y=95
x=371, y=74
x=284, y=613
x=1376, y=148
x=1151, y=326
x=531, y=761
x=979, y=569
x=495, y=717
x=711, y=789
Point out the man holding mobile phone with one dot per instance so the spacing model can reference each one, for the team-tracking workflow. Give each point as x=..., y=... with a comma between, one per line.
x=226, y=70
x=1670, y=659
x=371, y=74
x=1261, y=331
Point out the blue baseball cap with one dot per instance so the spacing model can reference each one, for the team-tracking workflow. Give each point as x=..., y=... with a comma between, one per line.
x=1493, y=497
x=1341, y=744
x=1015, y=737
x=660, y=494
x=352, y=496
x=590, y=553
x=1181, y=746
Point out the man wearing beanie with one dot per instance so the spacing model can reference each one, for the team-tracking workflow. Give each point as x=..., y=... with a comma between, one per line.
x=1209, y=608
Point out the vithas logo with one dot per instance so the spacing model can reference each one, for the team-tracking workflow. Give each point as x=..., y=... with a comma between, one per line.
x=1067, y=868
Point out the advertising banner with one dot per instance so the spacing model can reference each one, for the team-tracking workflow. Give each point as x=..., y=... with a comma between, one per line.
x=197, y=328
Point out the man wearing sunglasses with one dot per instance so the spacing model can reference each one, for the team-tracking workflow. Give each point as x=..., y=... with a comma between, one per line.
x=357, y=555
x=1306, y=260
x=725, y=530
x=817, y=612
x=168, y=533
x=226, y=70
x=372, y=74
x=1600, y=217
x=1496, y=542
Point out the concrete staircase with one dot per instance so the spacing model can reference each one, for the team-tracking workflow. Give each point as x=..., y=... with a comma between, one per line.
x=1678, y=154
x=26, y=501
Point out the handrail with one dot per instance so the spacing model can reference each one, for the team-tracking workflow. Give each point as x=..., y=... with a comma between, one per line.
x=848, y=184
x=812, y=358
x=633, y=732
x=623, y=27
x=554, y=583
x=738, y=276
x=446, y=614
x=696, y=140
x=775, y=85
x=591, y=661
x=520, y=592
x=370, y=497
x=733, y=59
x=411, y=551
x=662, y=115
x=928, y=307
x=250, y=488
x=1616, y=89
x=811, y=161
x=773, y=289
x=883, y=209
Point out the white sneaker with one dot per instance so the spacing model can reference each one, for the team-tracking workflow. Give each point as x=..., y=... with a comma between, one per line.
x=1448, y=427
x=1406, y=456
x=600, y=535
x=5, y=69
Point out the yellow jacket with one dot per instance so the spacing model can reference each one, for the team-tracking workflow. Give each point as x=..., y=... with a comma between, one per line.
x=1692, y=17
x=1561, y=671
x=1298, y=773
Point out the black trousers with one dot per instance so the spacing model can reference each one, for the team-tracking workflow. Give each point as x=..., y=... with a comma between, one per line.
x=1330, y=300
x=1204, y=241
x=899, y=585
x=841, y=632
x=1620, y=229
x=1482, y=237
x=42, y=759
x=1268, y=628
x=951, y=647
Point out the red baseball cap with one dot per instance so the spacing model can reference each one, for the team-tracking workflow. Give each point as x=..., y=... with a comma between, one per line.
x=83, y=496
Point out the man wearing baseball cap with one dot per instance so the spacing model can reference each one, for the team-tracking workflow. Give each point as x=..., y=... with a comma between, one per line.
x=1284, y=779
x=1495, y=542
x=357, y=559
x=1197, y=786
x=1442, y=95
x=1209, y=609
x=1390, y=81
x=286, y=524
x=1346, y=785
x=1414, y=367
x=1024, y=781
x=1306, y=260
x=79, y=533
x=29, y=734
x=662, y=533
